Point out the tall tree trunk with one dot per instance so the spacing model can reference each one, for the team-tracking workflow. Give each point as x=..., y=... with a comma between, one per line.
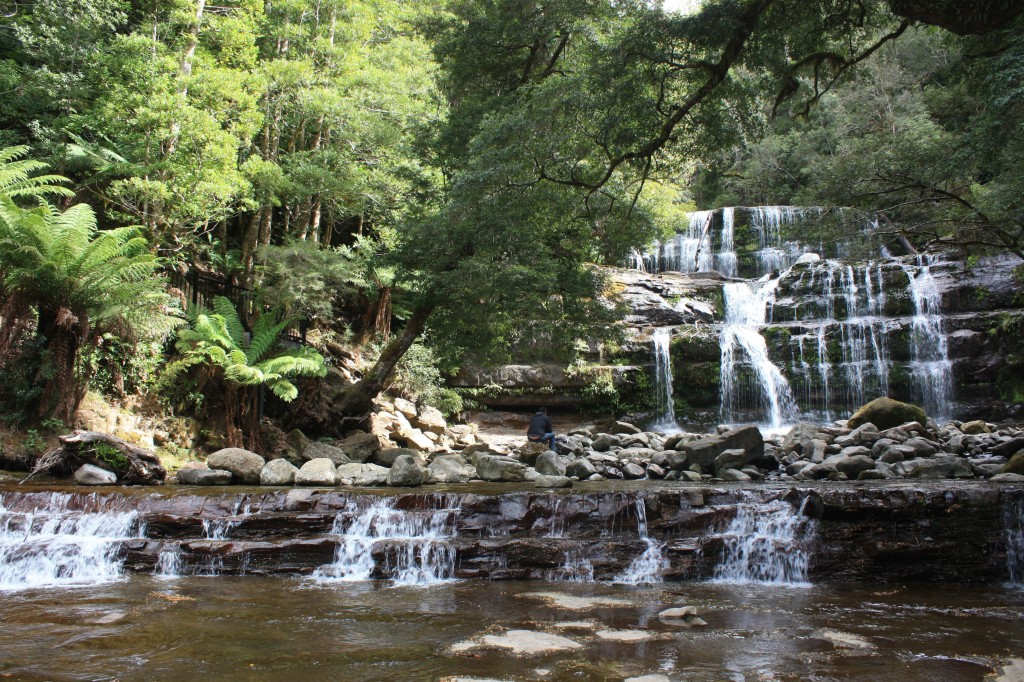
x=357, y=400
x=249, y=240
x=62, y=394
x=184, y=71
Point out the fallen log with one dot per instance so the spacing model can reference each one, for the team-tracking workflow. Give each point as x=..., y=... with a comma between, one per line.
x=133, y=465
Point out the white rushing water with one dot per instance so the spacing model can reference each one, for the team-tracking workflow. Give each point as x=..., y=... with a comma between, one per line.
x=743, y=345
x=62, y=546
x=1013, y=523
x=725, y=260
x=931, y=369
x=766, y=542
x=649, y=565
x=665, y=408
x=415, y=544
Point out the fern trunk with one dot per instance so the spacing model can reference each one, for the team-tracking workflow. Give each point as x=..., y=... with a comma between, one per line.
x=62, y=391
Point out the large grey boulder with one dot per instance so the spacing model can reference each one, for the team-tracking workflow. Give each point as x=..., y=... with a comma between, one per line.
x=405, y=473
x=278, y=472
x=90, y=474
x=362, y=474
x=506, y=469
x=360, y=447
x=921, y=447
x=603, y=442
x=853, y=465
x=581, y=469
x=632, y=471
x=245, y=466
x=799, y=437
x=429, y=419
x=734, y=475
x=387, y=456
x=731, y=459
x=865, y=434
x=549, y=464
x=317, y=450
x=885, y=413
x=746, y=438
x=948, y=466
x=204, y=477
x=529, y=452
x=1010, y=447
x=316, y=472
x=450, y=469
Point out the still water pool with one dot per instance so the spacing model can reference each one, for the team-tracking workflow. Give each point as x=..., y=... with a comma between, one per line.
x=253, y=628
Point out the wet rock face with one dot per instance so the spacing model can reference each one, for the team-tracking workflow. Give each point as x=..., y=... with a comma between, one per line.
x=888, y=532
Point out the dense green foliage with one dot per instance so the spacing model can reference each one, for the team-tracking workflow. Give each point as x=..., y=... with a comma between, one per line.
x=456, y=167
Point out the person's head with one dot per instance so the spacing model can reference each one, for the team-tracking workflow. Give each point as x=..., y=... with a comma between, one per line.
x=542, y=410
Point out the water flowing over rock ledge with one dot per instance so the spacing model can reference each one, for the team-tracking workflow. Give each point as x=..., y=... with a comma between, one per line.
x=942, y=531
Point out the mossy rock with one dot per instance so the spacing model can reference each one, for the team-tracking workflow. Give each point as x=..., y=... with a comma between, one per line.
x=885, y=413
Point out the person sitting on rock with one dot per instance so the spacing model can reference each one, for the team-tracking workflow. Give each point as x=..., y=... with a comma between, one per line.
x=541, y=430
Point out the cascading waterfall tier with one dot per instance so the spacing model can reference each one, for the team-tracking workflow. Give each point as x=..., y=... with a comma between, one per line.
x=930, y=366
x=766, y=542
x=415, y=545
x=743, y=347
x=665, y=409
x=1013, y=523
x=648, y=566
x=66, y=540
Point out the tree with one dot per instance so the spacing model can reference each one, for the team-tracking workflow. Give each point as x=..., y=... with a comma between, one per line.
x=77, y=283
x=244, y=361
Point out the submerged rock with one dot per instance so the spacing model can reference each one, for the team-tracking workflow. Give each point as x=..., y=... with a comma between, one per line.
x=528, y=642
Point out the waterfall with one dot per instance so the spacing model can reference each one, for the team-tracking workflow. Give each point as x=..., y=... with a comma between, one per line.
x=575, y=569
x=931, y=369
x=415, y=544
x=766, y=543
x=665, y=419
x=725, y=259
x=648, y=566
x=1013, y=523
x=745, y=313
x=689, y=251
x=61, y=546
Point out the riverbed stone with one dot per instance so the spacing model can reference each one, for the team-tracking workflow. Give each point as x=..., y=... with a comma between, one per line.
x=655, y=471
x=865, y=434
x=1015, y=465
x=504, y=469
x=317, y=450
x=429, y=419
x=733, y=475
x=405, y=473
x=317, y=472
x=1007, y=478
x=1009, y=447
x=387, y=456
x=528, y=642
x=705, y=450
x=948, y=466
x=581, y=468
x=278, y=472
x=921, y=447
x=362, y=474
x=731, y=459
x=842, y=640
x=633, y=471
x=528, y=452
x=450, y=469
x=204, y=476
x=549, y=464
x=625, y=635
x=886, y=413
x=975, y=427
x=575, y=603
x=361, y=446
x=545, y=481
x=245, y=466
x=90, y=474
x=852, y=465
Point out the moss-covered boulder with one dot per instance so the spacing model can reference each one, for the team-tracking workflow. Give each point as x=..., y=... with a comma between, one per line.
x=885, y=413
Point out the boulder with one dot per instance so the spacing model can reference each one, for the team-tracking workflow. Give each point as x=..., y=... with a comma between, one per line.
x=549, y=464
x=245, y=466
x=317, y=472
x=731, y=459
x=204, y=476
x=865, y=434
x=450, y=469
x=1007, y=478
x=616, y=428
x=581, y=468
x=317, y=450
x=655, y=471
x=415, y=439
x=705, y=450
x=604, y=441
x=886, y=413
x=682, y=616
x=405, y=473
x=895, y=453
x=975, y=427
x=853, y=465
x=360, y=446
x=387, y=456
x=529, y=452
x=635, y=454
x=921, y=447
x=799, y=437
x=278, y=472
x=506, y=469
x=405, y=407
x=734, y=475
x=633, y=471
x=544, y=481
x=429, y=419
x=948, y=466
x=90, y=474
x=1009, y=447
x=362, y=474
x=1015, y=465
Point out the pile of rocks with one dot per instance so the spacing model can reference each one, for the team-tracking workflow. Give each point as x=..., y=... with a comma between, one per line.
x=431, y=452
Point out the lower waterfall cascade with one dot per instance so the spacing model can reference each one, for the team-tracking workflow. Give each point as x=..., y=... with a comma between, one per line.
x=766, y=543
